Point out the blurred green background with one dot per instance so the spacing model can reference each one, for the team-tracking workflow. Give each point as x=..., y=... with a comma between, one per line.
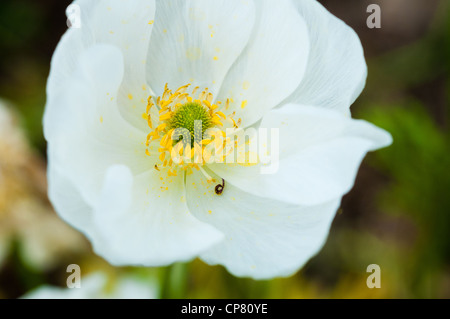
x=396, y=216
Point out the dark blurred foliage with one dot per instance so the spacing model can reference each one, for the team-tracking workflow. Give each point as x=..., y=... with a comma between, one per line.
x=29, y=33
x=397, y=215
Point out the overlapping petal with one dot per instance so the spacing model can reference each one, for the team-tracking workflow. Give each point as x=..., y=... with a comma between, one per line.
x=123, y=24
x=336, y=70
x=272, y=65
x=320, y=152
x=197, y=41
x=144, y=220
x=264, y=238
x=84, y=127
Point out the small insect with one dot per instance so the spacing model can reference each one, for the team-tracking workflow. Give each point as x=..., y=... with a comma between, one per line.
x=220, y=187
x=157, y=168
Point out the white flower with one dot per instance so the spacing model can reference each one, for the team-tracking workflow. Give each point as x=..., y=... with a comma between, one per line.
x=97, y=286
x=275, y=64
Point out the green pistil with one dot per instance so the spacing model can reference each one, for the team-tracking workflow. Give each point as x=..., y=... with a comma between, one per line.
x=186, y=117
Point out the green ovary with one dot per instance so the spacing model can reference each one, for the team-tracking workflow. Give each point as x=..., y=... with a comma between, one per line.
x=186, y=117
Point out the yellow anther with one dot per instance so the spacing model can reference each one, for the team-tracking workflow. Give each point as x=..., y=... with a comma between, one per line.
x=195, y=90
x=161, y=127
x=165, y=116
x=221, y=115
x=149, y=106
x=207, y=103
x=149, y=121
x=206, y=141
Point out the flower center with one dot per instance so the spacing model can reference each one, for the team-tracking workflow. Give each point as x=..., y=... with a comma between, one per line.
x=188, y=127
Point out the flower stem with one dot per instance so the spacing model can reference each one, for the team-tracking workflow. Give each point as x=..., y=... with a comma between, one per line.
x=174, y=281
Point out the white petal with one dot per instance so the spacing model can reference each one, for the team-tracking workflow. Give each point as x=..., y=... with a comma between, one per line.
x=336, y=72
x=92, y=287
x=68, y=201
x=145, y=220
x=135, y=221
x=97, y=286
x=126, y=24
x=196, y=41
x=72, y=44
x=272, y=65
x=85, y=131
x=320, y=152
x=123, y=24
x=263, y=238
